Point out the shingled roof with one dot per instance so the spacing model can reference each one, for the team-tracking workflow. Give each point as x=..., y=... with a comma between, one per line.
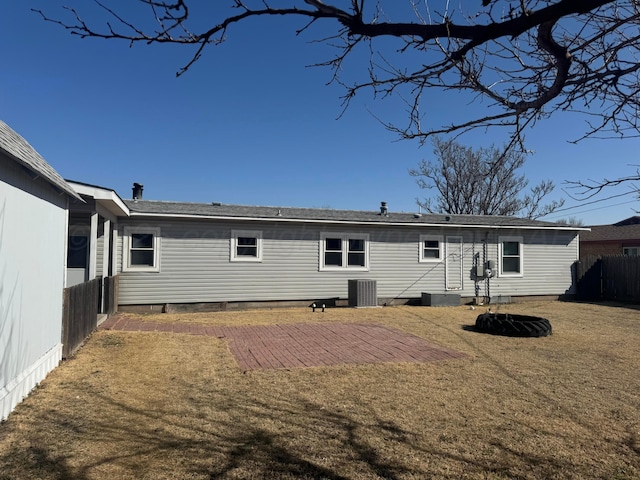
x=17, y=148
x=219, y=210
x=628, y=229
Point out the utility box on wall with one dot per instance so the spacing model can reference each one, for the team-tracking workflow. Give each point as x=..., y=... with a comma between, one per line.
x=441, y=299
x=363, y=293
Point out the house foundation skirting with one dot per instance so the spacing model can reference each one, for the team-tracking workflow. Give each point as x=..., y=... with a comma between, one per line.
x=328, y=302
x=18, y=388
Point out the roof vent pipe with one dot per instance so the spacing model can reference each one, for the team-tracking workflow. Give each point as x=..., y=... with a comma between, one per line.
x=137, y=191
x=383, y=209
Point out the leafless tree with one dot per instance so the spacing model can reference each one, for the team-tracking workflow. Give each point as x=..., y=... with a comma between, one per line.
x=523, y=59
x=571, y=221
x=480, y=182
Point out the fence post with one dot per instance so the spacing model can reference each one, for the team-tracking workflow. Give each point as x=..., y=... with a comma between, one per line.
x=66, y=313
x=110, y=303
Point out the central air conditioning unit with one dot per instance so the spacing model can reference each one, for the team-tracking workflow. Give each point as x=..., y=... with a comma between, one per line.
x=363, y=293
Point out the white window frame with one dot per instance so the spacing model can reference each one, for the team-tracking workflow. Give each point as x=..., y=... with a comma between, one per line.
x=626, y=251
x=440, y=240
x=235, y=234
x=520, y=242
x=126, y=257
x=344, y=238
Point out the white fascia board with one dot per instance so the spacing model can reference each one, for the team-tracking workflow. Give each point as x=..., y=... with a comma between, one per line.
x=348, y=222
x=104, y=197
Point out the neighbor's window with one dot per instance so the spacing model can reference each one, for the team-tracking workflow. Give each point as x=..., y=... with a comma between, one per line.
x=430, y=248
x=142, y=249
x=246, y=246
x=634, y=251
x=344, y=250
x=510, y=256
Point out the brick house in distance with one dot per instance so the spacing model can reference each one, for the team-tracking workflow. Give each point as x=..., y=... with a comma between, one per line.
x=622, y=238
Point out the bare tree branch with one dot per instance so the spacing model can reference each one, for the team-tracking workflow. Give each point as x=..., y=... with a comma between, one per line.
x=524, y=59
x=585, y=189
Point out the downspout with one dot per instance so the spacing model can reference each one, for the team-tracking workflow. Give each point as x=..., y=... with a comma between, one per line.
x=476, y=264
x=487, y=287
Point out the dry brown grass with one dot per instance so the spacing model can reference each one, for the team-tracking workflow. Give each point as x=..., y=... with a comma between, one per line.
x=167, y=406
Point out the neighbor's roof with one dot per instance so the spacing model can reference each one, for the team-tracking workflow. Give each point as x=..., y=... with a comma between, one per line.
x=627, y=229
x=324, y=215
x=19, y=149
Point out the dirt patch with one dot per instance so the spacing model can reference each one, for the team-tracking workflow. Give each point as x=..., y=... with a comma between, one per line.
x=161, y=405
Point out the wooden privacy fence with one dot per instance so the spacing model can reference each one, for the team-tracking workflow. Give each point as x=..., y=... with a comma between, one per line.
x=80, y=314
x=609, y=278
x=81, y=306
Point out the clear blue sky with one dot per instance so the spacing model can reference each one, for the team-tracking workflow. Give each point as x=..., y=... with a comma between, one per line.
x=250, y=123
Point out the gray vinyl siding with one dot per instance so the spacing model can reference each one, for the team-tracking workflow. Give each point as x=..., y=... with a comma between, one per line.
x=99, y=255
x=548, y=257
x=195, y=263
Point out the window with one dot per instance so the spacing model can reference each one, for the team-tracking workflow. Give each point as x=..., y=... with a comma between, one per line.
x=634, y=251
x=246, y=246
x=510, y=256
x=78, y=251
x=344, y=251
x=430, y=248
x=141, y=250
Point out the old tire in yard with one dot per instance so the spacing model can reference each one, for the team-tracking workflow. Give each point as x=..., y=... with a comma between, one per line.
x=513, y=325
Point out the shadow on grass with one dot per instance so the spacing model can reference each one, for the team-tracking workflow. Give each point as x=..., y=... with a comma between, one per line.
x=234, y=435
x=40, y=464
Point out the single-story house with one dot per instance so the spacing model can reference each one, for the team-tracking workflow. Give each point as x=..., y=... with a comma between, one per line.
x=33, y=232
x=622, y=238
x=175, y=253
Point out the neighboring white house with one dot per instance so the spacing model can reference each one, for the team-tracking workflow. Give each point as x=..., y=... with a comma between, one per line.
x=33, y=237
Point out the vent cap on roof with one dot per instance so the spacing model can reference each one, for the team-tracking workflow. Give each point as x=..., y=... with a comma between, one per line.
x=137, y=191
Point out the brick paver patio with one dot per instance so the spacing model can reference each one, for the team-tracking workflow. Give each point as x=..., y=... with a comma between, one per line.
x=304, y=344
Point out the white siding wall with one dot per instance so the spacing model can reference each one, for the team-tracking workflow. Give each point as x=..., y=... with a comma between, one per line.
x=32, y=258
x=195, y=263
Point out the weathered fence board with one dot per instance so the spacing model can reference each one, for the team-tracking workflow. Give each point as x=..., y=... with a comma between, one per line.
x=80, y=314
x=110, y=294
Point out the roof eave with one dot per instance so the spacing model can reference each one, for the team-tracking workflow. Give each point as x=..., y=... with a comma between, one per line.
x=108, y=198
x=350, y=222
